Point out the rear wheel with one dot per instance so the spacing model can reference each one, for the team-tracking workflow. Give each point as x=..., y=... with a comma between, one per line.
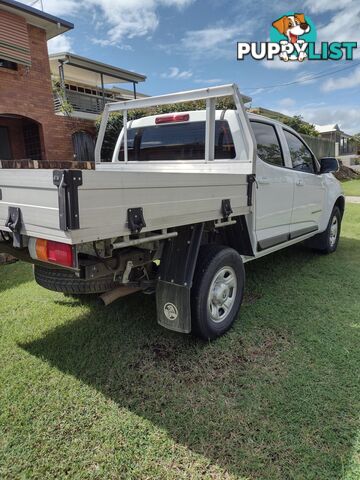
x=217, y=291
x=68, y=283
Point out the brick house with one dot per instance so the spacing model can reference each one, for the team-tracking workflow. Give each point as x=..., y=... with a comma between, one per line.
x=33, y=123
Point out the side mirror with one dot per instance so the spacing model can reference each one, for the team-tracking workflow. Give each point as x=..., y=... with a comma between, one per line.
x=328, y=164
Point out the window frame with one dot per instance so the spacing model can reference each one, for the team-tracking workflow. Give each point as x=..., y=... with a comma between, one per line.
x=274, y=126
x=315, y=160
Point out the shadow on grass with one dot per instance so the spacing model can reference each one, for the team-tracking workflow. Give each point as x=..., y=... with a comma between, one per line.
x=268, y=400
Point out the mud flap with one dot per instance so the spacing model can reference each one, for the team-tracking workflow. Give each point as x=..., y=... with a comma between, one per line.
x=175, y=278
x=173, y=306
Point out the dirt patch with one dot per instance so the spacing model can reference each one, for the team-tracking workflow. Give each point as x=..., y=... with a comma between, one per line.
x=6, y=259
x=346, y=173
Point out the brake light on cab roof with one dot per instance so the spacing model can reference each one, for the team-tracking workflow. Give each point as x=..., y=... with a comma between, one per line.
x=183, y=117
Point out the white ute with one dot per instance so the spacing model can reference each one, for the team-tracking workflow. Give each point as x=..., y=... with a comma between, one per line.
x=185, y=201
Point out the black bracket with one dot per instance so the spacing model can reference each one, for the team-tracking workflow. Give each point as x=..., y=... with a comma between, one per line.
x=14, y=223
x=68, y=182
x=226, y=208
x=135, y=218
x=250, y=182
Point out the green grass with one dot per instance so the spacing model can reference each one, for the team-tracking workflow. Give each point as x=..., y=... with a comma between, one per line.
x=352, y=187
x=89, y=392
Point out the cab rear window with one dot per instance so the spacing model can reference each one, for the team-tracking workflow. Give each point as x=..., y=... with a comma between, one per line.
x=177, y=141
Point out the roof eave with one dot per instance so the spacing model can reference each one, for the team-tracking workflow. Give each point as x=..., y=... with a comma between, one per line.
x=98, y=67
x=53, y=26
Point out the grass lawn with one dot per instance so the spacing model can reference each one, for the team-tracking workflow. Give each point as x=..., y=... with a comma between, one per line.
x=351, y=187
x=89, y=392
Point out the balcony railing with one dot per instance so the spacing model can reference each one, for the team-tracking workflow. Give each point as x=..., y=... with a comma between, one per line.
x=81, y=102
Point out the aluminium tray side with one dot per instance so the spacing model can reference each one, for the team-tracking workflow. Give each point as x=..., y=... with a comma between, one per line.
x=168, y=200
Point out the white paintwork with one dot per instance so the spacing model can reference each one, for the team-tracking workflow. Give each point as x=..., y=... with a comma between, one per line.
x=273, y=200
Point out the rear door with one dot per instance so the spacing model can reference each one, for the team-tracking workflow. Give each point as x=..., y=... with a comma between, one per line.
x=275, y=188
x=309, y=190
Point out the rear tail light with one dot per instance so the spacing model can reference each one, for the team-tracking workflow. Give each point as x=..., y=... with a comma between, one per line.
x=183, y=117
x=53, y=252
x=60, y=253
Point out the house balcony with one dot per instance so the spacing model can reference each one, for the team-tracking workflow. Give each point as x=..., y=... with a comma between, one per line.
x=83, y=86
x=82, y=105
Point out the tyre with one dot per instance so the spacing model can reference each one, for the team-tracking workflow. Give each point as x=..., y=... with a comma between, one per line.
x=327, y=241
x=217, y=291
x=66, y=282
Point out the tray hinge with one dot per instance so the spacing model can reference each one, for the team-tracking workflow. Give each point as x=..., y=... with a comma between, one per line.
x=13, y=222
x=135, y=218
x=68, y=182
x=226, y=208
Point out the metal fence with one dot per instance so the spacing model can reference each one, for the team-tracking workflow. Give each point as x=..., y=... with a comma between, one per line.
x=320, y=146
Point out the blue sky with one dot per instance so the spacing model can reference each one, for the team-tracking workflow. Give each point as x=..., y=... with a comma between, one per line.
x=186, y=44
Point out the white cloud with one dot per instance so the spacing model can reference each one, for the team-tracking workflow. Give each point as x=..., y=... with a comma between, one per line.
x=58, y=7
x=209, y=81
x=279, y=64
x=320, y=6
x=342, y=27
x=176, y=74
x=219, y=41
x=287, y=102
x=122, y=18
x=105, y=43
x=348, y=81
x=62, y=43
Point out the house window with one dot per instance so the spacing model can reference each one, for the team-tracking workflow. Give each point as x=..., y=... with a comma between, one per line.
x=7, y=64
x=14, y=39
x=32, y=141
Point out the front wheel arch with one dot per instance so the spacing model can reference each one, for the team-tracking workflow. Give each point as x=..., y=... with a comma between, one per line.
x=340, y=203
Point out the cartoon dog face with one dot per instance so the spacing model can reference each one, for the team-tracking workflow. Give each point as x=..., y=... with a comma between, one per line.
x=293, y=26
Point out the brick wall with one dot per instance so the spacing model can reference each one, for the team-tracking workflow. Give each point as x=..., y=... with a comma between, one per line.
x=28, y=92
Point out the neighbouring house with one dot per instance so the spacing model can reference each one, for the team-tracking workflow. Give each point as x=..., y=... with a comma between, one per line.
x=343, y=146
x=48, y=106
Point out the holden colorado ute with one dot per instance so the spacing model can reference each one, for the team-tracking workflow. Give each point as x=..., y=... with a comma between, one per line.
x=187, y=199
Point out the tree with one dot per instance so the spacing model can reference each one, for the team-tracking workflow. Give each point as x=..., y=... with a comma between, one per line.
x=355, y=139
x=297, y=123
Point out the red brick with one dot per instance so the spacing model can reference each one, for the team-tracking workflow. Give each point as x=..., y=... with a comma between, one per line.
x=27, y=92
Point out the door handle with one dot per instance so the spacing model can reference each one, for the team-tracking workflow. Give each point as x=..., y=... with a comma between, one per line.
x=300, y=183
x=263, y=180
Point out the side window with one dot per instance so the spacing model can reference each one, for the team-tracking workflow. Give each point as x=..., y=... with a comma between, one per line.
x=301, y=157
x=268, y=145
